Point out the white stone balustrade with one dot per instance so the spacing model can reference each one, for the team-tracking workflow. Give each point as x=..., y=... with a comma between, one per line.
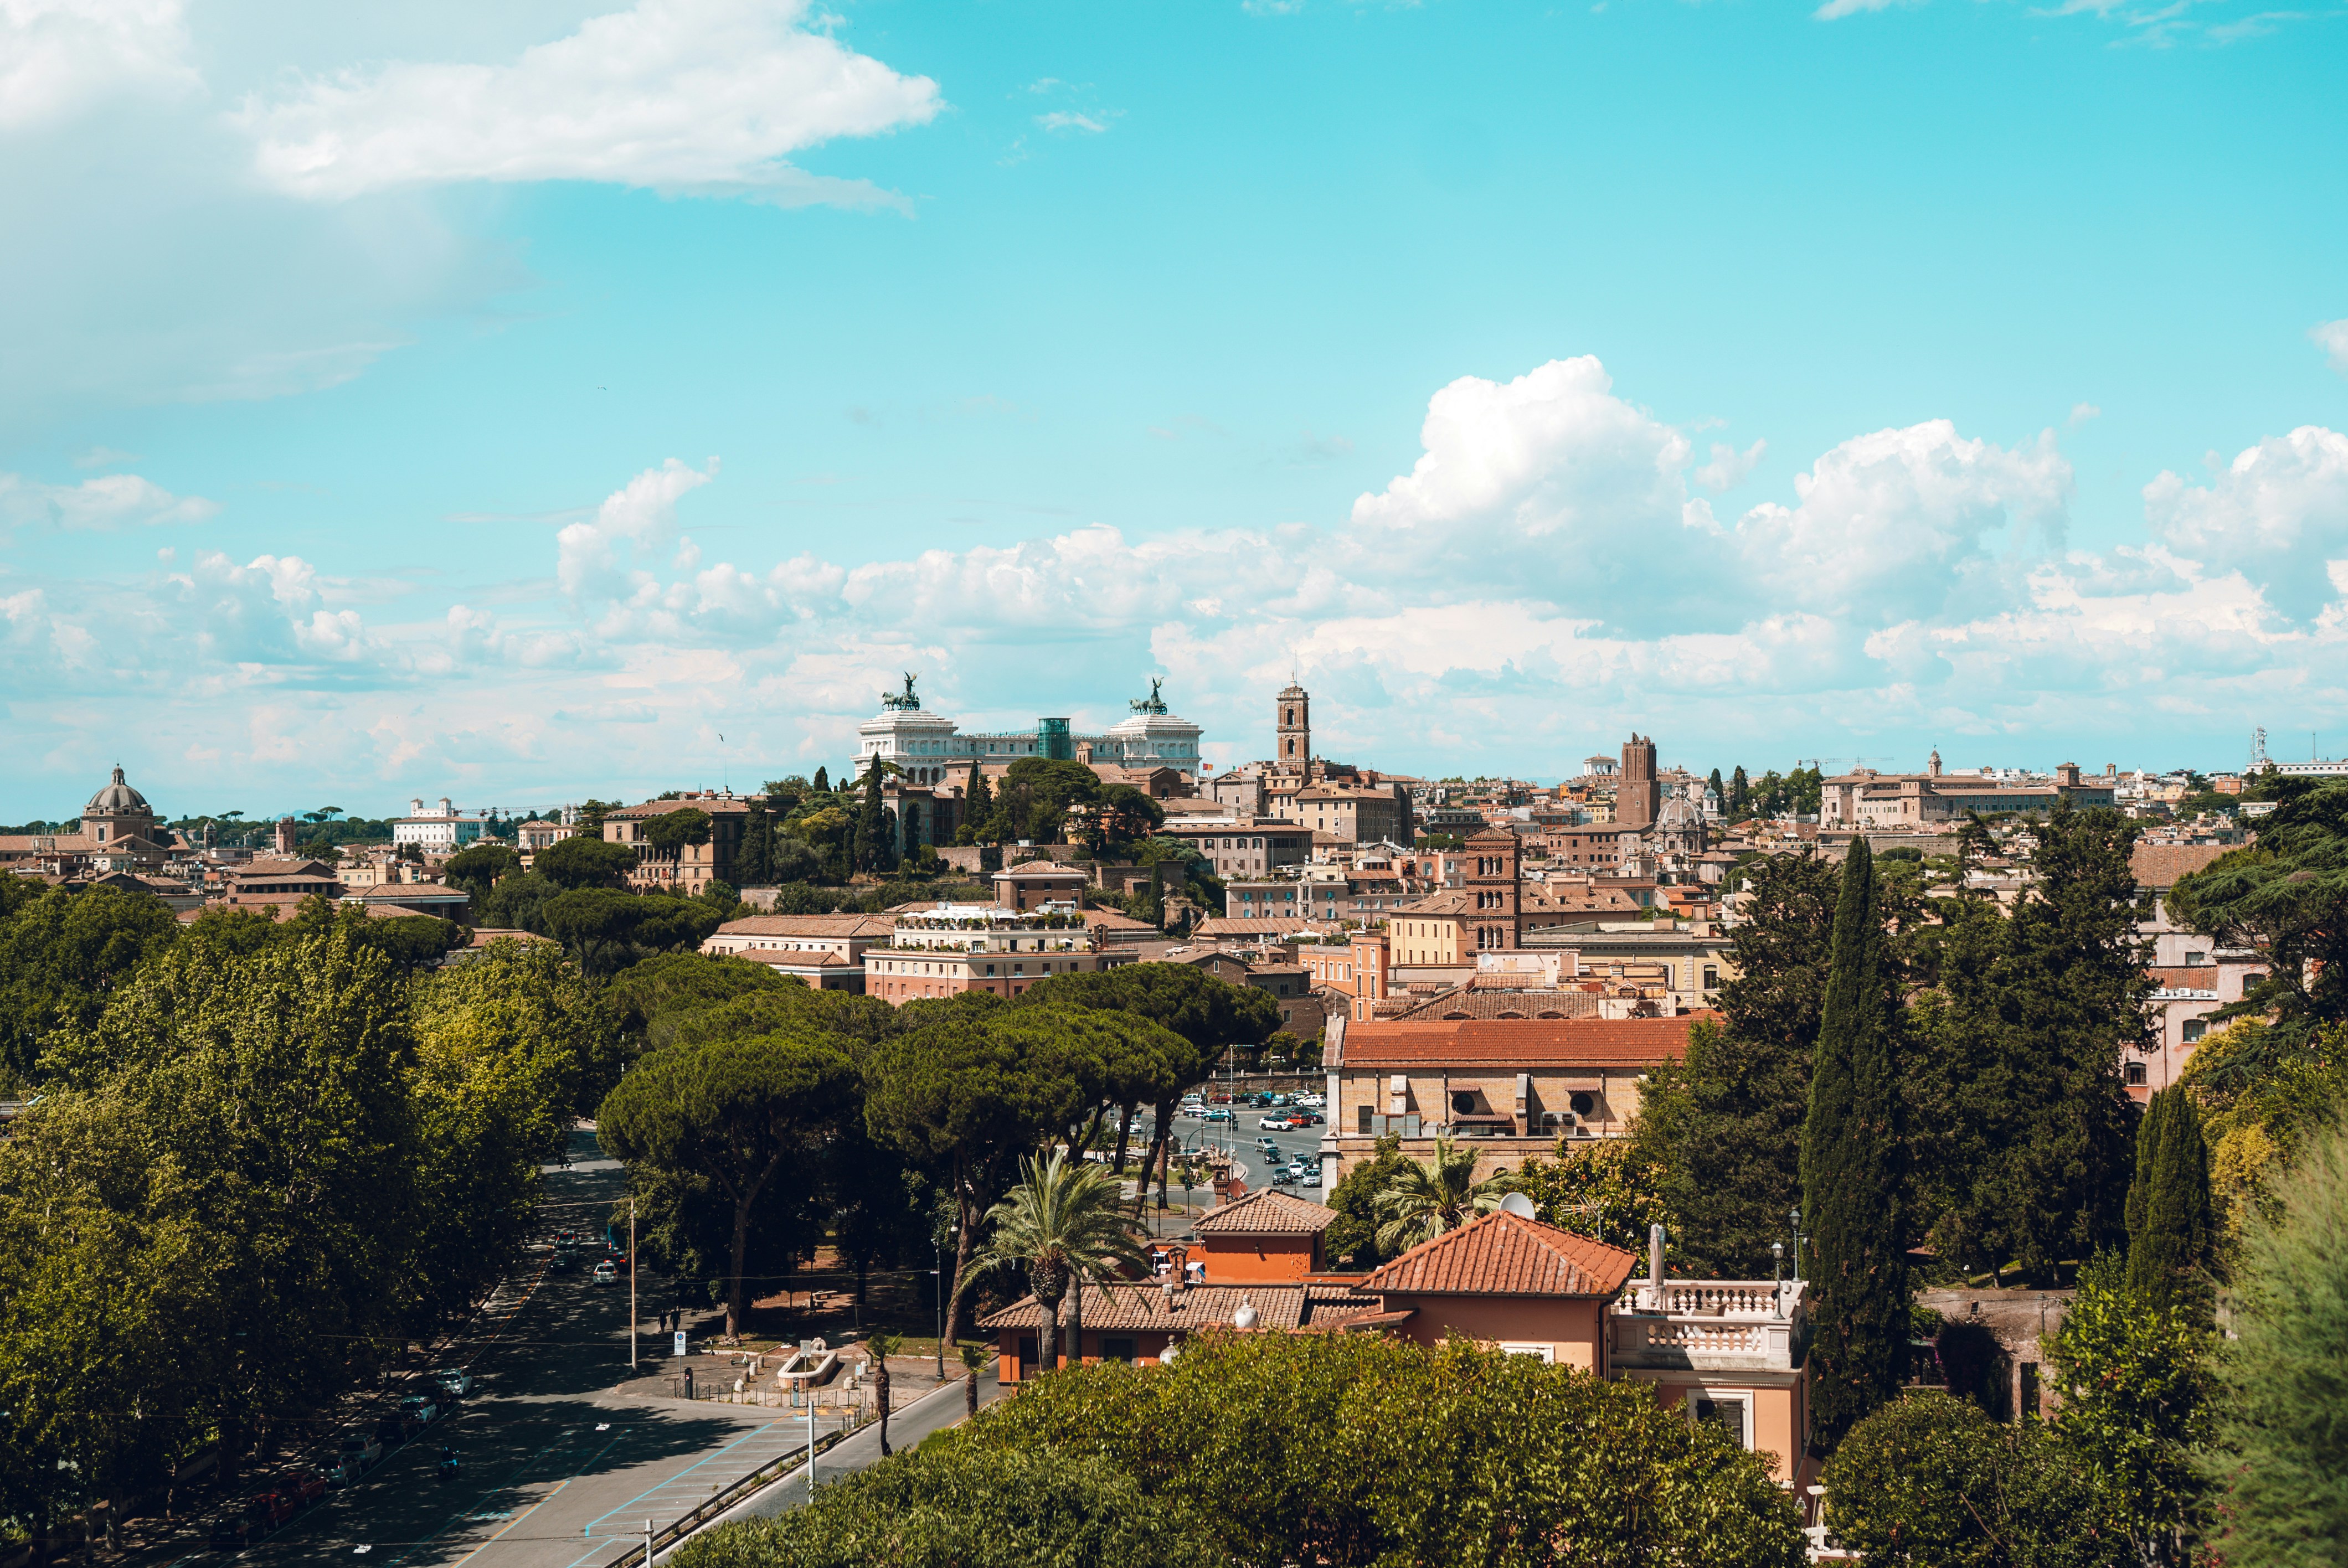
x=1700, y=1324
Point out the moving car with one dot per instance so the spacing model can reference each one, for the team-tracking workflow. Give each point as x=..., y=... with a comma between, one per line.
x=357, y=1455
x=454, y=1381
x=421, y=1409
x=1274, y=1123
x=605, y=1274
x=233, y=1533
x=1221, y=1113
x=1307, y=1119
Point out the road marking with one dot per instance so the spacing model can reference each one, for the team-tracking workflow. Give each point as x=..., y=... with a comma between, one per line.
x=510, y=1524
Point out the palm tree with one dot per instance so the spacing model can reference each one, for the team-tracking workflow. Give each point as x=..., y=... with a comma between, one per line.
x=1061, y=1221
x=973, y=1354
x=1428, y=1197
x=881, y=1346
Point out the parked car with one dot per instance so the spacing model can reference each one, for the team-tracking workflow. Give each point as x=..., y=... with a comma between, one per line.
x=357, y=1454
x=454, y=1381
x=1278, y=1122
x=1315, y=1102
x=233, y=1533
x=395, y=1428
x=269, y=1510
x=305, y=1488
x=605, y=1274
x=1281, y=1100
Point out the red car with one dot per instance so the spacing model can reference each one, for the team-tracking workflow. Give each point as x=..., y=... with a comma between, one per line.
x=269, y=1510
x=306, y=1488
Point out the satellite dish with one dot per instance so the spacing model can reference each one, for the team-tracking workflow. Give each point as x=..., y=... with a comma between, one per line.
x=1519, y=1205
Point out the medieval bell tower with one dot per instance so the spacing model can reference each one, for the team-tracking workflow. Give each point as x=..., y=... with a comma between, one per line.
x=1292, y=731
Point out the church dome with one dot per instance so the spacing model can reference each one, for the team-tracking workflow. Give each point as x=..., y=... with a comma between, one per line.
x=117, y=799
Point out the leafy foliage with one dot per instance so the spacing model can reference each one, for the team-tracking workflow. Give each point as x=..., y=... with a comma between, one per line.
x=729, y=1113
x=1356, y=1449
x=2133, y=1378
x=1931, y=1482
x=2172, y=1236
x=1853, y=1170
x=2288, y=895
x=1354, y=1239
x=1060, y=1225
x=2025, y=1127
x=1722, y=1126
x=584, y=861
x=1425, y=1198
x=1606, y=1189
x=2281, y=1445
x=955, y=1506
x=62, y=956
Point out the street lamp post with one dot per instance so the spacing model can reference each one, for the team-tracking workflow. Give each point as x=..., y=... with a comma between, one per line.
x=633, y=1314
x=938, y=1289
x=1797, y=1218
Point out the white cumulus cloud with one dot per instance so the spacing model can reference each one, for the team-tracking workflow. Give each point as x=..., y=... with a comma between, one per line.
x=2278, y=512
x=2332, y=337
x=111, y=501
x=60, y=57
x=682, y=97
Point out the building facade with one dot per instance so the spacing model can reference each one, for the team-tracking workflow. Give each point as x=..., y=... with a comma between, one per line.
x=1934, y=801
x=1509, y=1087
x=945, y=950
x=440, y=829
x=930, y=749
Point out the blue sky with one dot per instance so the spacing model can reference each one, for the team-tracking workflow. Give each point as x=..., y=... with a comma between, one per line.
x=506, y=404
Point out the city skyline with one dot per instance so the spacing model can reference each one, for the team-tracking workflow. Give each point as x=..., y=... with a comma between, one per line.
x=1842, y=381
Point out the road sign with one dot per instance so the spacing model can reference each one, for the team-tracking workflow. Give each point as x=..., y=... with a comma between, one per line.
x=680, y=1343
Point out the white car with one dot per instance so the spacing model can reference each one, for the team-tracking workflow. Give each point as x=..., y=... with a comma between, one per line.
x=1305, y=1175
x=1312, y=1101
x=454, y=1381
x=605, y=1275
x=1276, y=1122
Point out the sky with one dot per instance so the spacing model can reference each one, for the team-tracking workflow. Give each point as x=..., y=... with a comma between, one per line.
x=539, y=401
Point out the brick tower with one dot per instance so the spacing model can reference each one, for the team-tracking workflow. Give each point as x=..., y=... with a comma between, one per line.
x=1495, y=885
x=1292, y=731
x=1638, y=794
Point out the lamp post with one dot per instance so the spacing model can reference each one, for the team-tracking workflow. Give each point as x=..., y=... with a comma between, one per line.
x=1797, y=1218
x=1777, y=1276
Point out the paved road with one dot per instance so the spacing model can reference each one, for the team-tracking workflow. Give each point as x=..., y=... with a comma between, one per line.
x=557, y=1469
x=1304, y=1140
x=942, y=1408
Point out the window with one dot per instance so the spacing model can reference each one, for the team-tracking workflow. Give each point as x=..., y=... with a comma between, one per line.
x=1119, y=1349
x=1726, y=1413
x=1362, y=1119
x=2133, y=1073
x=2195, y=1028
x=1542, y=1353
x=2195, y=960
x=1711, y=976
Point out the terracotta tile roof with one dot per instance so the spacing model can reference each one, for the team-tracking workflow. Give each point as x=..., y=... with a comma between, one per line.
x=1262, y=925
x=797, y=957
x=269, y=869
x=1145, y=1304
x=2198, y=978
x=1475, y=1002
x=811, y=925
x=1520, y=1044
x=1268, y=1213
x=1110, y=920
x=2158, y=866
x=1501, y=1254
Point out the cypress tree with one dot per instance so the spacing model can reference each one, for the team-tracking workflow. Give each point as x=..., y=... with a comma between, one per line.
x=1853, y=1173
x=823, y=785
x=1740, y=793
x=977, y=804
x=2168, y=1210
x=754, y=861
x=875, y=846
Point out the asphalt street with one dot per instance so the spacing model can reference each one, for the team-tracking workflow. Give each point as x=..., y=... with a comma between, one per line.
x=556, y=1469
x=939, y=1410
x=1192, y=1134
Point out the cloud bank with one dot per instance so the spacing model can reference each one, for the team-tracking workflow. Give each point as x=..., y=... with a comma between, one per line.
x=1545, y=574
